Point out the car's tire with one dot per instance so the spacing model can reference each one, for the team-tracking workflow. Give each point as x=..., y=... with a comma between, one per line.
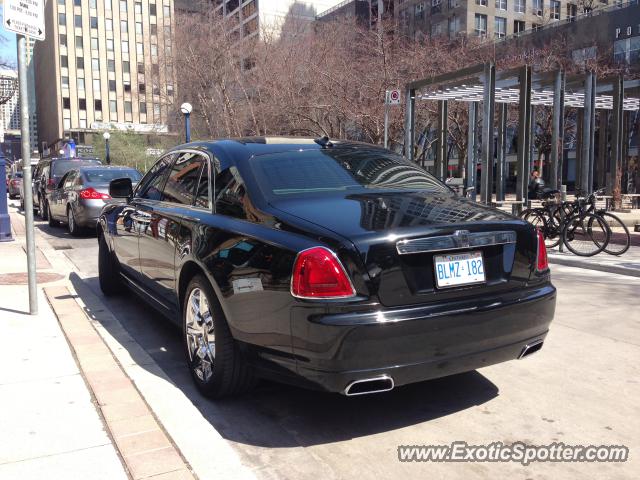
x=52, y=221
x=108, y=270
x=73, y=227
x=219, y=371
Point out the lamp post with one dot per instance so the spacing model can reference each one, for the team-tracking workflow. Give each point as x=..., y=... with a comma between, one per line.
x=7, y=89
x=107, y=136
x=186, y=109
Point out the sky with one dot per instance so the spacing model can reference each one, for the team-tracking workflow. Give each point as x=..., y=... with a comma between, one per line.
x=7, y=42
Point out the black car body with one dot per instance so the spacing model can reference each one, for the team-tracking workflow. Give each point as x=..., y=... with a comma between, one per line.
x=260, y=205
x=47, y=175
x=81, y=194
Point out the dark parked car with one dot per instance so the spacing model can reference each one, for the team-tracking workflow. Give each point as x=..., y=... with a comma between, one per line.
x=82, y=192
x=332, y=265
x=13, y=184
x=46, y=177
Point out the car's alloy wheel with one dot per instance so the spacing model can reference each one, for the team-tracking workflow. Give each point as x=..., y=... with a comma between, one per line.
x=217, y=365
x=200, y=335
x=42, y=211
x=71, y=222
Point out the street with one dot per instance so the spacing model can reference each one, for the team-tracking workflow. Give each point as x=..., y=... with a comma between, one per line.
x=582, y=389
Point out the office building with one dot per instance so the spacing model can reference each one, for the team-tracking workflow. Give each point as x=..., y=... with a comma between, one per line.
x=105, y=65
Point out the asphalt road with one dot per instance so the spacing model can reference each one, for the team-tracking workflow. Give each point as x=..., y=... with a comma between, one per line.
x=582, y=388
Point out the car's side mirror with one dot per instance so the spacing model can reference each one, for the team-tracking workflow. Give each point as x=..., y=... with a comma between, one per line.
x=121, y=188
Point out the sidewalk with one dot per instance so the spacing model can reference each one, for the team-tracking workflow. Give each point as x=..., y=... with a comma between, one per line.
x=68, y=409
x=627, y=264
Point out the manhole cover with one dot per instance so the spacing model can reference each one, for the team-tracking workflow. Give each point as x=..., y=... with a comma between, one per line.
x=22, y=278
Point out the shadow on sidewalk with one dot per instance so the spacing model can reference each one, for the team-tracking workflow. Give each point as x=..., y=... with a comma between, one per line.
x=279, y=416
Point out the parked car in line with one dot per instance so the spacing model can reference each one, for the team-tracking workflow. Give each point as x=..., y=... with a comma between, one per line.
x=46, y=176
x=339, y=266
x=13, y=184
x=81, y=193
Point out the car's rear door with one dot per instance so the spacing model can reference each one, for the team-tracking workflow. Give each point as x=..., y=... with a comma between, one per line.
x=157, y=242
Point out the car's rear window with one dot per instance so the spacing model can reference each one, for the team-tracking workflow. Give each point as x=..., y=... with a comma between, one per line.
x=60, y=167
x=106, y=175
x=331, y=170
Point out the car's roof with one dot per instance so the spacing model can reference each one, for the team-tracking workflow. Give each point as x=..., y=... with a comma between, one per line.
x=105, y=167
x=246, y=147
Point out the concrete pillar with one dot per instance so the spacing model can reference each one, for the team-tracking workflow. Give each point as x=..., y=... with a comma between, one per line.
x=488, y=110
x=524, y=134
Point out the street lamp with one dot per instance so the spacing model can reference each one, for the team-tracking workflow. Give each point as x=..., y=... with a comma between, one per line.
x=186, y=109
x=107, y=136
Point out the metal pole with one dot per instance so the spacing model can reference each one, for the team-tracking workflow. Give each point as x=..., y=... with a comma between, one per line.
x=187, y=127
x=409, y=123
x=601, y=166
x=488, y=110
x=616, y=134
x=524, y=132
x=108, y=151
x=472, y=140
x=592, y=130
x=441, y=156
x=501, y=170
x=386, y=119
x=555, y=172
x=26, y=175
x=585, y=154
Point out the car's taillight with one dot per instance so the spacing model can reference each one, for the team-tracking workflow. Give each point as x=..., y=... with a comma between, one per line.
x=542, y=263
x=318, y=273
x=92, y=194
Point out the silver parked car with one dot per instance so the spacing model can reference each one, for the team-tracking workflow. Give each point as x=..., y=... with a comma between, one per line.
x=13, y=184
x=78, y=198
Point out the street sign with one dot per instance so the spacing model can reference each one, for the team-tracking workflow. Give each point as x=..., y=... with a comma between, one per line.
x=25, y=17
x=393, y=97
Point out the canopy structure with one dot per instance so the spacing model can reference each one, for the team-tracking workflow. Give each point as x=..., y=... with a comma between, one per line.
x=487, y=91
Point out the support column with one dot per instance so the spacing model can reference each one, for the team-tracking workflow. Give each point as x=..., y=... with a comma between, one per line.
x=579, y=134
x=409, y=124
x=488, y=110
x=441, y=154
x=472, y=147
x=501, y=170
x=592, y=136
x=532, y=141
x=557, y=133
x=524, y=130
x=616, y=134
x=601, y=164
x=586, y=154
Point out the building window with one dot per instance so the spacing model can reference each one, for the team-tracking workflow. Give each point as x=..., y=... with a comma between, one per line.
x=127, y=108
x=80, y=63
x=453, y=25
x=501, y=4
x=77, y=21
x=77, y=3
x=112, y=85
x=481, y=25
x=96, y=85
x=572, y=11
x=142, y=88
x=140, y=49
x=143, y=107
x=82, y=103
x=126, y=67
x=153, y=28
x=555, y=9
x=123, y=6
x=93, y=4
x=113, y=106
x=109, y=25
x=141, y=68
x=107, y=4
x=124, y=26
x=138, y=28
x=79, y=42
x=97, y=105
x=94, y=22
x=110, y=44
x=167, y=11
x=66, y=103
x=482, y=3
x=125, y=47
x=62, y=19
x=538, y=8
x=94, y=44
x=518, y=26
x=520, y=6
x=64, y=61
x=95, y=64
x=81, y=84
x=419, y=10
x=500, y=27
x=111, y=65
x=152, y=9
x=63, y=40
x=65, y=82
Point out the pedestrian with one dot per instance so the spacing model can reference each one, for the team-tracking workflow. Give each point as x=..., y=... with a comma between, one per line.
x=536, y=184
x=633, y=187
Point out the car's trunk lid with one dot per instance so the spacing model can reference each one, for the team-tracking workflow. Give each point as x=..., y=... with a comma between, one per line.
x=378, y=224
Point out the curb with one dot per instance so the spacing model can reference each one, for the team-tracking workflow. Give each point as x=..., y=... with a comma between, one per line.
x=629, y=272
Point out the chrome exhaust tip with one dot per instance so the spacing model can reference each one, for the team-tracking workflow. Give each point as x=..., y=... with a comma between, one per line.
x=383, y=383
x=530, y=348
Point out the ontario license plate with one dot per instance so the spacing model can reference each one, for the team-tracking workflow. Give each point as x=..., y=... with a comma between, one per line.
x=459, y=269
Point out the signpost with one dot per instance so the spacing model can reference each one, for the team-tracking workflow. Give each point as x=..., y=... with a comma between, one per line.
x=26, y=19
x=392, y=97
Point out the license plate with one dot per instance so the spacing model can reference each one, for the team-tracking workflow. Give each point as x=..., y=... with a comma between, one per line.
x=459, y=269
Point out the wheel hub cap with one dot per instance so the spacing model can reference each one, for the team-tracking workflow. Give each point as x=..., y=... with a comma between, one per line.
x=201, y=340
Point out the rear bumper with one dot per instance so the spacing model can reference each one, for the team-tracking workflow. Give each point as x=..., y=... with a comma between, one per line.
x=420, y=343
x=87, y=212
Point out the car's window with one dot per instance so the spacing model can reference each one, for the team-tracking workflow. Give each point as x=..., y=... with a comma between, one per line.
x=231, y=196
x=105, y=175
x=60, y=167
x=340, y=169
x=152, y=183
x=202, y=189
x=181, y=183
x=69, y=179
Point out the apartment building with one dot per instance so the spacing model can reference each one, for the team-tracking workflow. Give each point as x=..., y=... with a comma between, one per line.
x=366, y=13
x=105, y=65
x=486, y=18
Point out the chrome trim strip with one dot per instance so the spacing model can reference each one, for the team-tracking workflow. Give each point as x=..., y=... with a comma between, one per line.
x=457, y=241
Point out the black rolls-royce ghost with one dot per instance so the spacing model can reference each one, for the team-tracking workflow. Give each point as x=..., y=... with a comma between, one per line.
x=332, y=265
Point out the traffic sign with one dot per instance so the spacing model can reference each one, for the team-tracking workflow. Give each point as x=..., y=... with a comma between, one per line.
x=393, y=97
x=25, y=17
